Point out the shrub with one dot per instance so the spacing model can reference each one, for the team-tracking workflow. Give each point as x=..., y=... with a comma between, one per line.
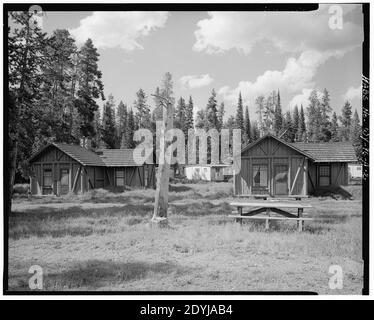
x=21, y=188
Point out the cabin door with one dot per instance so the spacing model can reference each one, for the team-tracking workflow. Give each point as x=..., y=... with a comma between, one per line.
x=64, y=181
x=281, y=179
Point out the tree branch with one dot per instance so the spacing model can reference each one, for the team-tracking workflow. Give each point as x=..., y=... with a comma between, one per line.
x=162, y=98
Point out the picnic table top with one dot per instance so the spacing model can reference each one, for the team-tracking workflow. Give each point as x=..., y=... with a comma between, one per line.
x=269, y=204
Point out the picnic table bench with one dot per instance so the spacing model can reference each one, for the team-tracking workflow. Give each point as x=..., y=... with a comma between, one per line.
x=270, y=206
x=269, y=197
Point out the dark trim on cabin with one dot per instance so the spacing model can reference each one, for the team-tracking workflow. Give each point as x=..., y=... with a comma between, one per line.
x=298, y=170
x=82, y=177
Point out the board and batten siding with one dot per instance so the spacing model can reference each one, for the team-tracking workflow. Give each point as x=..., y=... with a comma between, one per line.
x=135, y=177
x=83, y=178
x=55, y=160
x=271, y=152
x=338, y=174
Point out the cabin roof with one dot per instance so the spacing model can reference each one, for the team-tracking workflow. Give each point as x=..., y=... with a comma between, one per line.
x=328, y=152
x=318, y=152
x=121, y=158
x=252, y=144
x=78, y=153
x=107, y=158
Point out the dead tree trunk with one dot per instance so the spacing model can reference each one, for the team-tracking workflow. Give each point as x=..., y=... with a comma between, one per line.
x=162, y=188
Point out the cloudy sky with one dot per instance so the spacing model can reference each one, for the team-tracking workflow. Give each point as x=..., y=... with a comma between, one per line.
x=250, y=52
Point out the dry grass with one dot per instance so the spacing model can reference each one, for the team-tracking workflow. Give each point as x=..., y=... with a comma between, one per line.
x=85, y=244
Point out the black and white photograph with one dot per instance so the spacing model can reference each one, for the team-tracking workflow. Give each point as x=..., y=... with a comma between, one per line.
x=186, y=148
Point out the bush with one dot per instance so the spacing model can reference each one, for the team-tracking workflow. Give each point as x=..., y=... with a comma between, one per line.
x=21, y=188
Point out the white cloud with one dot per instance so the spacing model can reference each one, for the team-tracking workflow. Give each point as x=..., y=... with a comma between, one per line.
x=196, y=81
x=297, y=75
x=118, y=29
x=287, y=31
x=303, y=98
x=353, y=93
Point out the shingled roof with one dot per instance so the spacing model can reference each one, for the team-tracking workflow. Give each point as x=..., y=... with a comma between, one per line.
x=328, y=152
x=319, y=152
x=78, y=153
x=104, y=158
x=120, y=158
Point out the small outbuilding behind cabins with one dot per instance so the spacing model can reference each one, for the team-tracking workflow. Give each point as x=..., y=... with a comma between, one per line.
x=271, y=166
x=208, y=172
x=60, y=168
x=355, y=170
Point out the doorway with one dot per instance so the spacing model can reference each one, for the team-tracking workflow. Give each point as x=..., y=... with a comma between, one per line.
x=64, y=181
x=280, y=179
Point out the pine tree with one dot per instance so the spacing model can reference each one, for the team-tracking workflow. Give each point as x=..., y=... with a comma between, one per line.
x=314, y=117
x=239, y=115
x=301, y=130
x=325, y=132
x=200, y=121
x=128, y=141
x=356, y=132
x=90, y=87
x=255, y=131
x=179, y=115
x=334, y=128
x=57, y=97
x=25, y=58
x=268, y=113
x=325, y=108
x=295, y=122
x=220, y=115
x=121, y=123
x=143, y=113
x=189, y=122
x=287, y=130
x=346, y=119
x=167, y=88
x=230, y=123
x=247, y=126
x=211, y=112
x=278, y=117
x=108, y=124
x=260, y=110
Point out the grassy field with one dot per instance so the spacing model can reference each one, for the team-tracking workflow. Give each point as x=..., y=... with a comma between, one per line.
x=103, y=241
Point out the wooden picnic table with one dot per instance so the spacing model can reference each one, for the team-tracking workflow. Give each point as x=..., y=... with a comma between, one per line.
x=270, y=206
x=269, y=197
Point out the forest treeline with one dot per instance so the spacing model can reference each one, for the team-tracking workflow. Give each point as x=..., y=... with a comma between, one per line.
x=55, y=93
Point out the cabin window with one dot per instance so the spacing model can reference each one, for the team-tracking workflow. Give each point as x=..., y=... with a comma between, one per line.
x=324, y=176
x=64, y=177
x=47, y=178
x=260, y=175
x=120, y=178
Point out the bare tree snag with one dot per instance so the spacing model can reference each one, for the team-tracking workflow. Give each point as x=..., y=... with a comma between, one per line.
x=162, y=188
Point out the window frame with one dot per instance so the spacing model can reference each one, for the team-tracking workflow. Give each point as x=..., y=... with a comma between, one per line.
x=51, y=177
x=116, y=177
x=320, y=175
